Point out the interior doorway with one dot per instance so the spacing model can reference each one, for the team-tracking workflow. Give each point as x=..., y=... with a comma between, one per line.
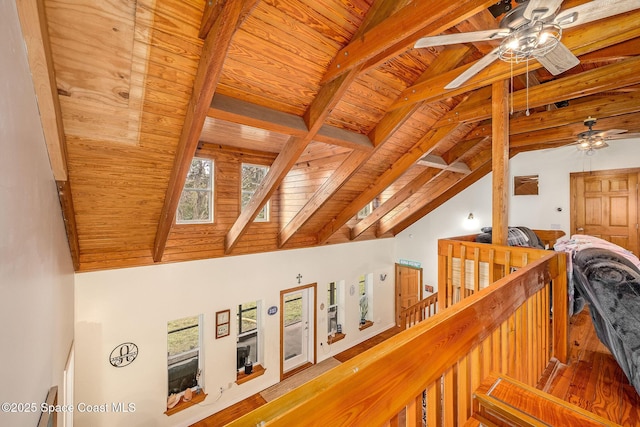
x=298, y=329
x=408, y=288
x=604, y=204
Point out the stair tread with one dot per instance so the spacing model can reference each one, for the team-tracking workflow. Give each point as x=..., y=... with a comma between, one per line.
x=513, y=400
x=472, y=422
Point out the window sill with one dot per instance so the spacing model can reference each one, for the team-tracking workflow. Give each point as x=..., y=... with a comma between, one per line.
x=366, y=325
x=242, y=378
x=335, y=338
x=182, y=404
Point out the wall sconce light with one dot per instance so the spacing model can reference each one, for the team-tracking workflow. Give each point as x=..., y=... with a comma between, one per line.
x=471, y=223
x=383, y=276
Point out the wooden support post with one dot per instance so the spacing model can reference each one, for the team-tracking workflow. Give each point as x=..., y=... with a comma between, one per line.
x=560, y=301
x=500, y=161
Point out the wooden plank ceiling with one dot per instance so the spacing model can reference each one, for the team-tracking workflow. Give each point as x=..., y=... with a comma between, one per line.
x=329, y=93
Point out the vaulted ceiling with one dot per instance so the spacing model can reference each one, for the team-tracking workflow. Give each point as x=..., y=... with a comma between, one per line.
x=330, y=94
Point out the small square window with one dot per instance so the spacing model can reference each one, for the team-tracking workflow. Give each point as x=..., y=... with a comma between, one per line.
x=366, y=211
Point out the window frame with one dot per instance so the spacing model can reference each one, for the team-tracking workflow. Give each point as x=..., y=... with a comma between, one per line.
x=209, y=190
x=365, y=289
x=199, y=377
x=265, y=212
x=338, y=304
x=256, y=355
x=365, y=211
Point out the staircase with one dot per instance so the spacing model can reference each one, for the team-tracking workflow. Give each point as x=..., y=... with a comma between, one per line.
x=503, y=401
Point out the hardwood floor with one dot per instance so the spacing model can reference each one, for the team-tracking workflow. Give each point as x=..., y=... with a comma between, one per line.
x=593, y=380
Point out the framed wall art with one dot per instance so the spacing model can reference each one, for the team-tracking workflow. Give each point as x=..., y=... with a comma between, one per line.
x=223, y=320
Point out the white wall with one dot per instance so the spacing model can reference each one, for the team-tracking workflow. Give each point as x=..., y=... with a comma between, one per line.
x=135, y=305
x=36, y=273
x=553, y=166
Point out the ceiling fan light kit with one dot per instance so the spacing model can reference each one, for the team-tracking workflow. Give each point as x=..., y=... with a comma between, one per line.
x=591, y=140
x=530, y=41
x=532, y=29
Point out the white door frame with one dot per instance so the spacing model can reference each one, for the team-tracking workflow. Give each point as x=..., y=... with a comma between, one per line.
x=307, y=331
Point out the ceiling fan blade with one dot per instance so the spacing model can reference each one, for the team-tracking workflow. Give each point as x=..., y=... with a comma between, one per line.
x=559, y=60
x=594, y=10
x=540, y=9
x=611, y=132
x=623, y=136
x=474, y=36
x=478, y=66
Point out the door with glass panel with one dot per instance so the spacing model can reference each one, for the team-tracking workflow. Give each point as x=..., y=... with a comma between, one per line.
x=298, y=327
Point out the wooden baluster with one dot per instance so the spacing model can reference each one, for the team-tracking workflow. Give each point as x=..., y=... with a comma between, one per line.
x=449, y=276
x=476, y=270
x=463, y=272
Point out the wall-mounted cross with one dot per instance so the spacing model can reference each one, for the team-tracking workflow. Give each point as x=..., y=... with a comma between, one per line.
x=299, y=277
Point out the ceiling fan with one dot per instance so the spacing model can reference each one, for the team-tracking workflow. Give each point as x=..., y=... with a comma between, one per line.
x=591, y=140
x=532, y=29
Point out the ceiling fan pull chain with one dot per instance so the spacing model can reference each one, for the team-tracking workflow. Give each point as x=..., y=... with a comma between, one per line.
x=527, y=112
x=511, y=87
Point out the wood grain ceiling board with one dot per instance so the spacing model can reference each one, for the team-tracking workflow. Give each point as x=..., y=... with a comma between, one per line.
x=125, y=72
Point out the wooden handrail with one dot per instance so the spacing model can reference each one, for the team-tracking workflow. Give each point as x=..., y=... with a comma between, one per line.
x=373, y=387
x=419, y=311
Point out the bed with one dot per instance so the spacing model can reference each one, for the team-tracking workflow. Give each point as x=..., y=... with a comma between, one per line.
x=608, y=278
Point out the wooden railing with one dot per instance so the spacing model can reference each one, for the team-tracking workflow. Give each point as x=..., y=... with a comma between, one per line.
x=483, y=264
x=419, y=311
x=503, y=328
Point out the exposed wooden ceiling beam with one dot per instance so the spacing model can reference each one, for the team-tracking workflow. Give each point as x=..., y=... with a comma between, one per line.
x=33, y=20
x=585, y=40
x=380, y=134
x=630, y=122
x=213, y=9
x=397, y=33
x=246, y=113
x=608, y=77
x=414, y=186
x=613, y=105
x=438, y=162
x=402, y=223
x=208, y=74
x=430, y=191
x=322, y=105
x=535, y=140
x=395, y=200
x=346, y=169
x=448, y=59
x=424, y=145
x=315, y=116
x=278, y=170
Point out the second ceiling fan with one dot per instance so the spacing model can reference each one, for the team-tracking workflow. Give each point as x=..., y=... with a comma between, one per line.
x=533, y=29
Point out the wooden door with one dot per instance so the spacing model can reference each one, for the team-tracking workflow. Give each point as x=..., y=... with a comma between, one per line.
x=604, y=204
x=298, y=328
x=408, y=288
